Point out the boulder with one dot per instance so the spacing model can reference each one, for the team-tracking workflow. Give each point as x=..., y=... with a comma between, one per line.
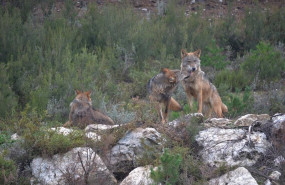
x=218, y=122
x=275, y=175
x=279, y=160
x=66, y=131
x=186, y=119
x=68, y=168
x=62, y=130
x=124, y=155
x=278, y=131
x=138, y=176
x=15, y=137
x=239, y=176
x=99, y=127
x=231, y=146
x=249, y=119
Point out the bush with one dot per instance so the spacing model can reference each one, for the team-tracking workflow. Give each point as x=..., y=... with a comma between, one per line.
x=264, y=64
x=232, y=79
x=168, y=172
x=8, y=98
x=7, y=171
x=213, y=57
x=239, y=103
x=48, y=143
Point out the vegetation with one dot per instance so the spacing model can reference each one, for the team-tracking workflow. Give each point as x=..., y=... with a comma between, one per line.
x=168, y=172
x=113, y=51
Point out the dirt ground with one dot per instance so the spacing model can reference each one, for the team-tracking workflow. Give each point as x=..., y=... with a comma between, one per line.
x=207, y=8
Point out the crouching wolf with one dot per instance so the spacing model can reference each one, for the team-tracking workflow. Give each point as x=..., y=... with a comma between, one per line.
x=196, y=85
x=160, y=89
x=82, y=114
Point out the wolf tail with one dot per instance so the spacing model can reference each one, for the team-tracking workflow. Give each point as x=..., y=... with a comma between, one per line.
x=174, y=105
x=224, y=108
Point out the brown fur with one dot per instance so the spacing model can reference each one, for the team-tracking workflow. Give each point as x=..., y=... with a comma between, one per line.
x=82, y=114
x=160, y=89
x=198, y=86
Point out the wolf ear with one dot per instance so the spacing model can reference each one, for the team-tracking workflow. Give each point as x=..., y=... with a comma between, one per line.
x=164, y=70
x=183, y=53
x=197, y=53
x=77, y=91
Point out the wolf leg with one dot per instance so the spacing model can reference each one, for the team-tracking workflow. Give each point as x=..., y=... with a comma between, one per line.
x=218, y=110
x=190, y=101
x=200, y=101
x=208, y=110
x=161, y=114
x=167, y=105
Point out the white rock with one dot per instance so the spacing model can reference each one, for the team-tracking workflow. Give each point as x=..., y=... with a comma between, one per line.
x=239, y=176
x=138, y=176
x=279, y=122
x=93, y=136
x=267, y=182
x=279, y=160
x=99, y=127
x=61, y=167
x=278, y=118
x=62, y=130
x=187, y=119
x=230, y=146
x=218, y=122
x=248, y=119
x=15, y=137
x=124, y=155
x=275, y=175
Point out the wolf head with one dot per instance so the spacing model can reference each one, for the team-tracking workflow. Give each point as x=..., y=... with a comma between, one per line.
x=190, y=62
x=170, y=75
x=83, y=97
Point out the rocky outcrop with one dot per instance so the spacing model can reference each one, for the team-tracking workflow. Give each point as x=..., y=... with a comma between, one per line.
x=99, y=127
x=186, y=120
x=138, y=176
x=75, y=166
x=249, y=119
x=123, y=156
x=239, y=176
x=278, y=130
x=231, y=146
x=218, y=122
x=92, y=132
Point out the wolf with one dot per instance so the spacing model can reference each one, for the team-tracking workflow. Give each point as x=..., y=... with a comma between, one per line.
x=160, y=89
x=198, y=86
x=82, y=114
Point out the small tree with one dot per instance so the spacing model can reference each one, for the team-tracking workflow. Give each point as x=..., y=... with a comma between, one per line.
x=168, y=172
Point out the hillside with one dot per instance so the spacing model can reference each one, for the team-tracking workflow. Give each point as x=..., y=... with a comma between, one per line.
x=79, y=63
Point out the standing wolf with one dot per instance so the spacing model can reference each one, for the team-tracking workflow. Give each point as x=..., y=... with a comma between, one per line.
x=160, y=89
x=82, y=114
x=196, y=85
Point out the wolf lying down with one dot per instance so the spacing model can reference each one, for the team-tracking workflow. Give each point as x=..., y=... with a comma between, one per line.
x=82, y=114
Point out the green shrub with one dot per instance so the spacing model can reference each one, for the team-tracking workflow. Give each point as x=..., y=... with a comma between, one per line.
x=168, y=172
x=8, y=98
x=5, y=139
x=264, y=64
x=47, y=143
x=239, y=103
x=212, y=56
x=7, y=171
x=232, y=79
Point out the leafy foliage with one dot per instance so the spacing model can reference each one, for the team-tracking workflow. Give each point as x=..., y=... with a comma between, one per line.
x=264, y=64
x=7, y=171
x=168, y=172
